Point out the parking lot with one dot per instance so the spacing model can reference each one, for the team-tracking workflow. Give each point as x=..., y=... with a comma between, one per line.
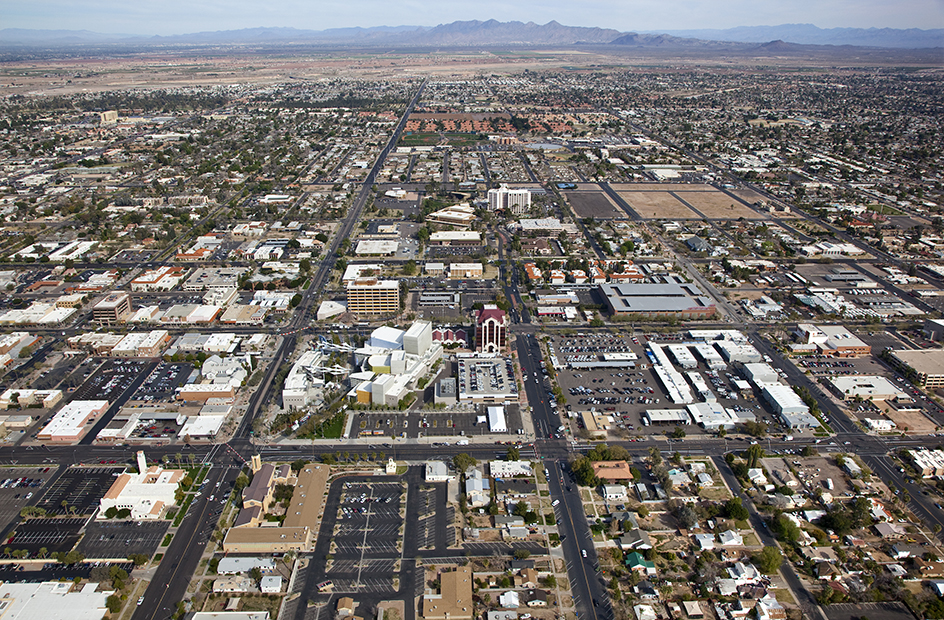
x=111, y=380
x=79, y=487
x=119, y=539
x=625, y=391
x=366, y=536
x=449, y=425
x=19, y=485
x=50, y=534
x=162, y=383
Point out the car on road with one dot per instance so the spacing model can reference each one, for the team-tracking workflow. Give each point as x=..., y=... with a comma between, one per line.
x=583, y=552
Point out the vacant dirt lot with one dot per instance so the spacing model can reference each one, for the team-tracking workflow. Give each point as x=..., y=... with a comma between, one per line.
x=911, y=422
x=658, y=205
x=716, y=205
x=593, y=204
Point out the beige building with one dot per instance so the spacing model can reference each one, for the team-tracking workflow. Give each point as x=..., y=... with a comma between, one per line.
x=454, y=601
x=373, y=296
x=113, y=309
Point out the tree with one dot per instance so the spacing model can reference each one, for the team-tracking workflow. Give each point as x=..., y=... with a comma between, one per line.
x=522, y=554
x=124, y=513
x=111, y=512
x=643, y=512
x=186, y=482
x=463, y=461
x=678, y=433
x=584, y=474
x=768, y=560
x=685, y=514
x=113, y=603
x=734, y=509
x=298, y=465
x=513, y=454
x=255, y=573
x=242, y=481
x=409, y=268
x=753, y=456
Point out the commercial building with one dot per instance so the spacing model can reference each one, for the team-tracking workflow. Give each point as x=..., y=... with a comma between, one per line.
x=30, y=398
x=466, y=270
x=491, y=324
x=517, y=201
x=455, y=238
x=52, y=599
x=454, y=601
x=217, y=278
x=866, y=387
x=146, y=493
x=925, y=365
x=833, y=340
x=460, y=215
x=69, y=424
x=160, y=279
x=202, y=392
x=658, y=300
x=613, y=471
x=788, y=405
x=113, y=309
x=373, y=296
x=142, y=344
x=376, y=247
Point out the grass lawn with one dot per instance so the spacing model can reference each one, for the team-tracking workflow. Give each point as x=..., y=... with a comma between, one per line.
x=783, y=596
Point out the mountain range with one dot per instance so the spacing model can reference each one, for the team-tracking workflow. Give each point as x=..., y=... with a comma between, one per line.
x=491, y=33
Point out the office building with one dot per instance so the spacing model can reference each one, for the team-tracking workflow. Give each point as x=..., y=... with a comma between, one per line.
x=113, y=309
x=373, y=296
x=491, y=324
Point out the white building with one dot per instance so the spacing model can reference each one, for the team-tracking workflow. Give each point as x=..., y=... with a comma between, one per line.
x=510, y=469
x=52, y=599
x=436, y=471
x=516, y=200
x=146, y=494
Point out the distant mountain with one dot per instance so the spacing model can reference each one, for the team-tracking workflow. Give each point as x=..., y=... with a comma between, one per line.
x=808, y=34
x=490, y=33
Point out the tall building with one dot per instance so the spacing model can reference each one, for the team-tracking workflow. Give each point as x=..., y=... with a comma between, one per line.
x=373, y=296
x=515, y=200
x=112, y=309
x=491, y=324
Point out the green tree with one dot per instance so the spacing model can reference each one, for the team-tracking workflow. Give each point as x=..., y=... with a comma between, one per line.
x=463, y=461
x=409, y=268
x=113, y=603
x=734, y=509
x=753, y=455
x=111, y=512
x=513, y=454
x=768, y=560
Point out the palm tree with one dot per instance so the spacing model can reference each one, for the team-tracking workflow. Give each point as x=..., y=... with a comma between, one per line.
x=43, y=552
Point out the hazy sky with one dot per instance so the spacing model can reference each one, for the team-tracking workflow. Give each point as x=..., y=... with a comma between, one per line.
x=183, y=16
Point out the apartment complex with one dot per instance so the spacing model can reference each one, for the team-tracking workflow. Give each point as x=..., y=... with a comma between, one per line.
x=515, y=200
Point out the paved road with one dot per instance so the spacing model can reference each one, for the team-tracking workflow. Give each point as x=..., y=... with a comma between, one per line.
x=182, y=557
x=804, y=597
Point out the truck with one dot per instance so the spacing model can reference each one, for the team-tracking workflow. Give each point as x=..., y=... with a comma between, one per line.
x=829, y=484
x=788, y=438
x=462, y=442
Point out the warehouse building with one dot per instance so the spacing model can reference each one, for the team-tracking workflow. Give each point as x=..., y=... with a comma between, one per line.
x=658, y=300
